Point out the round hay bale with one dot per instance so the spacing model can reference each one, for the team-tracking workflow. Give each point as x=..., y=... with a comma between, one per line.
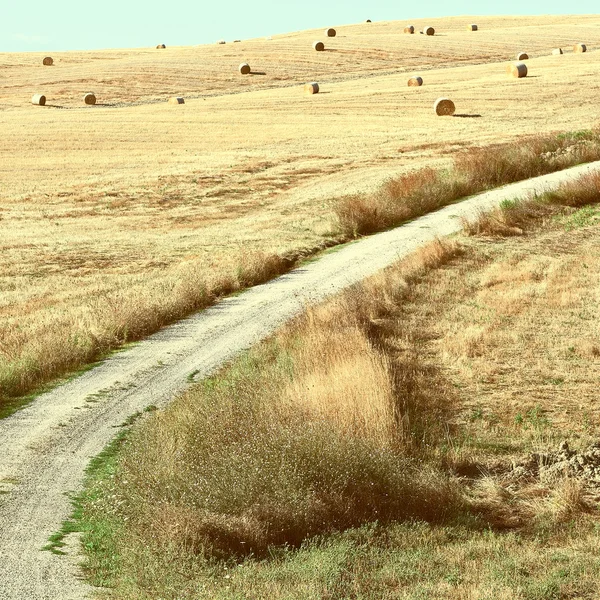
x=368, y=21
x=429, y=31
x=557, y=51
x=160, y=47
x=409, y=29
x=48, y=61
x=331, y=32
x=522, y=56
x=176, y=100
x=444, y=107
x=579, y=48
x=244, y=69
x=472, y=27
x=89, y=98
x=221, y=42
x=38, y=99
x=319, y=46
x=415, y=82
x=517, y=70
x=311, y=88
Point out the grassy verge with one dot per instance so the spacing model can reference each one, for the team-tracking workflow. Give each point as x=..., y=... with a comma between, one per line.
x=367, y=450
x=29, y=359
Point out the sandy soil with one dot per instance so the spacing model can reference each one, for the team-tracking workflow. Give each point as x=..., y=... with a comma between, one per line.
x=45, y=448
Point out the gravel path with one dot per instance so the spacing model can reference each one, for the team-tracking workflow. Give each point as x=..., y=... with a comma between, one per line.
x=45, y=447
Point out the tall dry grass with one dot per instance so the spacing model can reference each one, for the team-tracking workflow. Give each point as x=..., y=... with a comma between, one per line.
x=46, y=344
x=30, y=357
x=319, y=430
x=474, y=170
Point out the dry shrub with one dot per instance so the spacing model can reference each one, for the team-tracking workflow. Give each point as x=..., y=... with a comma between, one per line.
x=530, y=505
x=565, y=501
x=259, y=267
x=397, y=200
x=325, y=427
x=492, y=167
x=510, y=218
x=581, y=192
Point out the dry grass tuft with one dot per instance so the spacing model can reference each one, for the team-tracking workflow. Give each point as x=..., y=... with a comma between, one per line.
x=512, y=217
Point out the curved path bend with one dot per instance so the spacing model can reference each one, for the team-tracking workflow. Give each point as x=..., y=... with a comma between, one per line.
x=45, y=448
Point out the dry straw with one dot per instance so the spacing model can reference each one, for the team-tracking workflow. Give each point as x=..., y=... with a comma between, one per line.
x=89, y=98
x=39, y=99
x=444, y=107
x=429, y=31
x=557, y=51
x=331, y=32
x=579, y=48
x=522, y=56
x=176, y=100
x=319, y=46
x=48, y=60
x=311, y=88
x=409, y=29
x=472, y=27
x=415, y=82
x=160, y=47
x=244, y=69
x=517, y=70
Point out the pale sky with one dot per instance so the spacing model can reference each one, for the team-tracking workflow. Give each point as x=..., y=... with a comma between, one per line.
x=36, y=25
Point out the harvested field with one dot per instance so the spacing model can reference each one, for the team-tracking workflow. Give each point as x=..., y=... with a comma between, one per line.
x=87, y=234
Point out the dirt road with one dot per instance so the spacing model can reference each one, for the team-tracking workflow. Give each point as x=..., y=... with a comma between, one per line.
x=45, y=448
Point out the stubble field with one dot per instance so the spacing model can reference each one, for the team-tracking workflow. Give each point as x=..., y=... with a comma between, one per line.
x=110, y=211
